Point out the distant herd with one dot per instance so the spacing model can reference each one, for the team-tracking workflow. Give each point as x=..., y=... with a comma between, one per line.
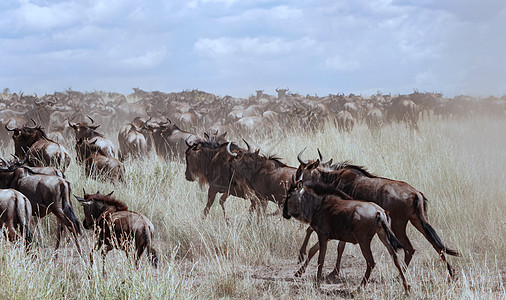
x=338, y=201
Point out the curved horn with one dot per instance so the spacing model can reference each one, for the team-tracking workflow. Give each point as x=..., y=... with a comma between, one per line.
x=71, y=125
x=4, y=161
x=187, y=143
x=90, y=119
x=320, y=154
x=249, y=148
x=34, y=123
x=84, y=192
x=7, y=128
x=299, y=157
x=206, y=135
x=229, y=151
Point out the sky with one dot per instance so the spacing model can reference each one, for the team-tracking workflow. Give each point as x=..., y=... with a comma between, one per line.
x=234, y=47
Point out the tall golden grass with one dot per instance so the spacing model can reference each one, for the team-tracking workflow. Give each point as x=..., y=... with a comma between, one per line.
x=460, y=166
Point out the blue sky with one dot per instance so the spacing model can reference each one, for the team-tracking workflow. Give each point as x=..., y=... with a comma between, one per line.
x=234, y=47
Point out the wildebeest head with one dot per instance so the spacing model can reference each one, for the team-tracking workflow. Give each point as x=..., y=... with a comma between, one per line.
x=291, y=206
x=97, y=206
x=84, y=130
x=307, y=166
x=25, y=137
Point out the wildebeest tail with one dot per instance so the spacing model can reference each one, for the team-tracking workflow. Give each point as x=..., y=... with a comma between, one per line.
x=430, y=232
x=392, y=239
x=24, y=216
x=67, y=207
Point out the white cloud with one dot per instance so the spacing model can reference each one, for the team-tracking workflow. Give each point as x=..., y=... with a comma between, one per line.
x=250, y=46
x=149, y=59
x=340, y=63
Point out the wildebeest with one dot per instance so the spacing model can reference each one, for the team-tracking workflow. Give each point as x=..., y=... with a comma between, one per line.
x=169, y=140
x=134, y=140
x=345, y=121
x=402, y=109
x=116, y=227
x=266, y=177
x=404, y=202
x=15, y=215
x=16, y=163
x=33, y=143
x=375, y=120
x=333, y=215
x=87, y=131
x=47, y=194
x=96, y=162
x=208, y=162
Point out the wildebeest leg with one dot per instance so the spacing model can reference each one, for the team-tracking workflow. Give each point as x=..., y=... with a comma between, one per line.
x=140, y=250
x=340, y=249
x=322, y=241
x=223, y=198
x=211, y=194
x=105, y=250
x=63, y=220
x=311, y=253
x=365, y=247
x=302, y=251
x=399, y=229
x=439, y=250
x=384, y=239
x=59, y=231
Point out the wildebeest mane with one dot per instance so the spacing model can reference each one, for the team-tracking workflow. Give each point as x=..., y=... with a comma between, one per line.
x=109, y=200
x=346, y=165
x=321, y=189
x=277, y=160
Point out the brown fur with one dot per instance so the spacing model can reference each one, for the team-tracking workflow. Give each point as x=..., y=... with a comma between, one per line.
x=346, y=220
x=15, y=215
x=116, y=227
x=404, y=202
x=47, y=194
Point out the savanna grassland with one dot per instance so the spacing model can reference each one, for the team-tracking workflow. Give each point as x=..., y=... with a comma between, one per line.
x=460, y=166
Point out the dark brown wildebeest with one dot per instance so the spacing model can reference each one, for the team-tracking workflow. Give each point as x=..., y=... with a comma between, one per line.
x=88, y=132
x=169, y=140
x=97, y=163
x=33, y=143
x=47, y=194
x=16, y=163
x=15, y=215
x=334, y=216
x=208, y=162
x=266, y=177
x=404, y=202
x=116, y=227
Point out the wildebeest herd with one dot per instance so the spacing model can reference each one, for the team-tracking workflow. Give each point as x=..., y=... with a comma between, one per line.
x=337, y=200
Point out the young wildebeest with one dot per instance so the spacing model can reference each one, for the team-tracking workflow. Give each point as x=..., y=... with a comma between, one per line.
x=15, y=214
x=33, y=143
x=333, y=215
x=97, y=163
x=402, y=200
x=116, y=227
x=47, y=193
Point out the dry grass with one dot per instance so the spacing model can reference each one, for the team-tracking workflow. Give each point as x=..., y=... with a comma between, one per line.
x=459, y=165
